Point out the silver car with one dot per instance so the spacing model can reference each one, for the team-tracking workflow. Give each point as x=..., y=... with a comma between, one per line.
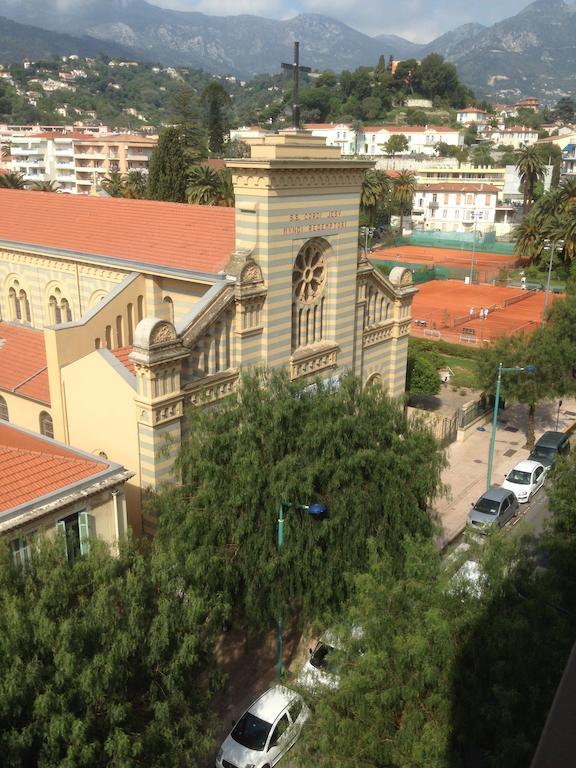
x=493, y=510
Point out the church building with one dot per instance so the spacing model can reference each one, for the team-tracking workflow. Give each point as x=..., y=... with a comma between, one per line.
x=118, y=315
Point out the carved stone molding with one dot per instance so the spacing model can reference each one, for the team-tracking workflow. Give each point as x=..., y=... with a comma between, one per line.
x=211, y=388
x=310, y=361
x=377, y=335
x=290, y=178
x=52, y=263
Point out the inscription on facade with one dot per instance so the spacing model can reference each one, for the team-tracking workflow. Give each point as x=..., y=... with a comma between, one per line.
x=304, y=222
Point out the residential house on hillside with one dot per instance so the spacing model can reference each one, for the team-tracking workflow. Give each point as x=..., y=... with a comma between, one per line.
x=371, y=141
x=517, y=136
x=472, y=116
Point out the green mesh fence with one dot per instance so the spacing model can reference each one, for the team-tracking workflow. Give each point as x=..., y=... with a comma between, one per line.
x=458, y=241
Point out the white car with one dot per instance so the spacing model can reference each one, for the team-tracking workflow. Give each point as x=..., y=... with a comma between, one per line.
x=525, y=479
x=265, y=732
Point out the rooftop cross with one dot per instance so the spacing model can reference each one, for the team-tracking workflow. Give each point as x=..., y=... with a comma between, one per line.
x=296, y=69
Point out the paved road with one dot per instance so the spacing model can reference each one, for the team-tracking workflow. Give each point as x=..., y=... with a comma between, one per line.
x=534, y=514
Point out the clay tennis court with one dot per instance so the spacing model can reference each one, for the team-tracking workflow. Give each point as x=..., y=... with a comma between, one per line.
x=490, y=263
x=451, y=310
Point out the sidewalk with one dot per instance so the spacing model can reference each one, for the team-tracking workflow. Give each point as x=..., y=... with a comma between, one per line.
x=467, y=467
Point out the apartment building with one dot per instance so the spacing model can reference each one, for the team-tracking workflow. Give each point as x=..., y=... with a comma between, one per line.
x=455, y=207
x=371, y=140
x=97, y=156
x=517, y=136
x=77, y=162
x=568, y=167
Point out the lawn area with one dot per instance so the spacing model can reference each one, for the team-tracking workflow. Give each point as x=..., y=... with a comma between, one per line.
x=464, y=369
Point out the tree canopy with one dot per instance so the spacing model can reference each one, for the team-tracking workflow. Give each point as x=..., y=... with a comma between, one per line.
x=103, y=661
x=350, y=449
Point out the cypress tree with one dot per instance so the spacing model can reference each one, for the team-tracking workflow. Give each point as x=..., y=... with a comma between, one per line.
x=167, y=178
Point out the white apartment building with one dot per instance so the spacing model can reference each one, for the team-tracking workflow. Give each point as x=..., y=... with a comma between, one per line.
x=472, y=116
x=517, y=136
x=371, y=140
x=455, y=207
x=75, y=161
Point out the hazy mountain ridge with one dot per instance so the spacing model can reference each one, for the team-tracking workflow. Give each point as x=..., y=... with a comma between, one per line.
x=21, y=41
x=532, y=53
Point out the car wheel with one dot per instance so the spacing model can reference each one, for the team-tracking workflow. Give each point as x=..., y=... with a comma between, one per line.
x=529, y=499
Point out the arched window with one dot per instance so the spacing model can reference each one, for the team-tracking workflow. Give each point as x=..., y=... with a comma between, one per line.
x=308, y=293
x=3, y=409
x=168, y=308
x=140, y=307
x=130, y=316
x=109, y=336
x=18, y=303
x=46, y=426
x=59, y=309
x=119, y=333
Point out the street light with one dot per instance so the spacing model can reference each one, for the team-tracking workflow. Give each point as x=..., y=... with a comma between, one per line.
x=367, y=232
x=475, y=218
x=550, y=245
x=316, y=511
x=501, y=370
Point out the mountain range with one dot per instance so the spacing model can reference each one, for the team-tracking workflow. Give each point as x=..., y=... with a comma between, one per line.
x=531, y=53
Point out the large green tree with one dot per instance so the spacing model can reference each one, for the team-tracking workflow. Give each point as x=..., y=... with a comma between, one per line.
x=215, y=99
x=167, y=177
x=105, y=661
x=374, y=197
x=349, y=448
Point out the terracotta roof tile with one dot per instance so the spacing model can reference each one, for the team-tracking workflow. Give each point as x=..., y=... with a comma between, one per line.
x=31, y=467
x=121, y=354
x=197, y=238
x=23, y=362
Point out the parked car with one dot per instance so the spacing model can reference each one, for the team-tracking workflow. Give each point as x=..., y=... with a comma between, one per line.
x=265, y=732
x=493, y=509
x=525, y=479
x=549, y=447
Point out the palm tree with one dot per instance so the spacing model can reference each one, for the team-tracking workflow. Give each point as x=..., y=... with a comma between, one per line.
x=135, y=185
x=45, y=186
x=227, y=197
x=529, y=238
x=567, y=192
x=6, y=149
x=403, y=189
x=547, y=206
x=114, y=184
x=375, y=192
x=12, y=180
x=203, y=186
x=531, y=169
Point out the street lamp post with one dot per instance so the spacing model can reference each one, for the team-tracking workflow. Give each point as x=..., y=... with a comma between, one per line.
x=317, y=511
x=501, y=370
x=367, y=232
x=474, y=220
x=551, y=246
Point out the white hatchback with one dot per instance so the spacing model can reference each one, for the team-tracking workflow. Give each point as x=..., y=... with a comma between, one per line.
x=525, y=479
x=265, y=732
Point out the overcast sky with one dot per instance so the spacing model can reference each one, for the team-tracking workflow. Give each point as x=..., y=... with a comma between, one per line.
x=417, y=20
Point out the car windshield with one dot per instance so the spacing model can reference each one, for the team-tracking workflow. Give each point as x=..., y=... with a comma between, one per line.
x=318, y=658
x=541, y=452
x=487, y=506
x=251, y=732
x=520, y=478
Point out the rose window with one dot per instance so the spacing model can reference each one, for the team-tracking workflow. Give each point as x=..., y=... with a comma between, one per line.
x=309, y=273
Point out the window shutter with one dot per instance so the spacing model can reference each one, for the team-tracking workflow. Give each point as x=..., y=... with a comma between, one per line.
x=85, y=528
x=61, y=529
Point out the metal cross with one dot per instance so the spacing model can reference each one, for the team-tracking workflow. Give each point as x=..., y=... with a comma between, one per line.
x=296, y=69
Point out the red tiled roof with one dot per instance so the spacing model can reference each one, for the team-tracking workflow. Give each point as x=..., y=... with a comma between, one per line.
x=189, y=237
x=121, y=354
x=23, y=362
x=472, y=110
x=32, y=467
